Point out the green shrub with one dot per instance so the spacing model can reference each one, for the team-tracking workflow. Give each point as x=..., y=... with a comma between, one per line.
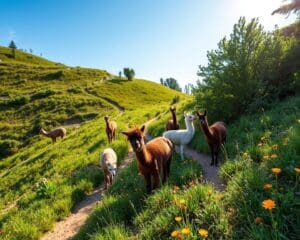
x=9, y=147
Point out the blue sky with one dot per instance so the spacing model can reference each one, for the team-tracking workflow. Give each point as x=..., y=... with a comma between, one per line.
x=158, y=38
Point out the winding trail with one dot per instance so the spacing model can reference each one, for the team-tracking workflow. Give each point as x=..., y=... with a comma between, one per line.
x=210, y=173
x=70, y=226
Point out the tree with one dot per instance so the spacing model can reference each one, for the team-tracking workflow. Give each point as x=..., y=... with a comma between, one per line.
x=171, y=83
x=286, y=9
x=245, y=71
x=13, y=48
x=129, y=73
x=188, y=88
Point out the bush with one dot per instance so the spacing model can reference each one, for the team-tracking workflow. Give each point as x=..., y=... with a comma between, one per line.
x=42, y=94
x=9, y=147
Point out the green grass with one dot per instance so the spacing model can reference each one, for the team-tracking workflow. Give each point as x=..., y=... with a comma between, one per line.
x=126, y=202
x=38, y=93
x=35, y=93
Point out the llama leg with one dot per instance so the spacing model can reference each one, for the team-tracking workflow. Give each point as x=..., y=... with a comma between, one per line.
x=148, y=182
x=216, y=159
x=168, y=167
x=212, y=156
x=181, y=151
x=156, y=179
x=106, y=181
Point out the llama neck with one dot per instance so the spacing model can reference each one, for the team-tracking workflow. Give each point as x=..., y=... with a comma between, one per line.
x=143, y=156
x=107, y=123
x=190, y=126
x=174, y=118
x=44, y=132
x=206, y=130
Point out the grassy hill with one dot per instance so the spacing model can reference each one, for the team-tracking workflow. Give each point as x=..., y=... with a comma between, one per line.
x=41, y=182
x=35, y=93
x=256, y=144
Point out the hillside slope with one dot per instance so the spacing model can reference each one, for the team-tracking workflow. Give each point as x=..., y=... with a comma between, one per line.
x=35, y=93
x=188, y=208
x=41, y=182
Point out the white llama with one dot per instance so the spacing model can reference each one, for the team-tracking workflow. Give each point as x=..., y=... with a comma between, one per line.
x=182, y=137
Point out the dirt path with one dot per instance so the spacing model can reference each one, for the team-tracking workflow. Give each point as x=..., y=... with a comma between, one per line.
x=69, y=227
x=210, y=173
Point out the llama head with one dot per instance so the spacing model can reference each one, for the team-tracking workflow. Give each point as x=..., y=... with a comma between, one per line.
x=112, y=170
x=173, y=109
x=202, y=117
x=106, y=118
x=136, y=138
x=189, y=117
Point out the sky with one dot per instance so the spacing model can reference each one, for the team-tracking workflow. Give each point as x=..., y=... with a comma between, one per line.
x=157, y=38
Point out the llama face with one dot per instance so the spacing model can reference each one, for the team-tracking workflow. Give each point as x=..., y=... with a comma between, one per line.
x=173, y=110
x=202, y=117
x=135, y=137
x=189, y=117
x=112, y=170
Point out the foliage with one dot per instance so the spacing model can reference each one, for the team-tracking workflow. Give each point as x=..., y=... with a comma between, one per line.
x=171, y=83
x=251, y=65
x=129, y=73
x=293, y=6
x=9, y=147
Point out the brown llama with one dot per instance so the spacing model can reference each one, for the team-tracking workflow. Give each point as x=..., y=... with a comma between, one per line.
x=153, y=158
x=111, y=129
x=172, y=124
x=215, y=136
x=55, y=133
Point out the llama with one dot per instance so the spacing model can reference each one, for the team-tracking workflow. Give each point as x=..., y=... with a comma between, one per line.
x=182, y=137
x=55, y=133
x=215, y=136
x=111, y=129
x=153, y=158
x=108, y=162
x=172, y=124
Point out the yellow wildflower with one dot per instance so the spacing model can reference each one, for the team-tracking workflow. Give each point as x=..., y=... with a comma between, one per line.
x=203, y=233
x=275, y=147
x=276, y=170
x=266, y=157
x=268, y=204
x=267, y=186
x=175, y=234
x=297, y=170
x=178, y=219
x=273, y=156
x=186, y=231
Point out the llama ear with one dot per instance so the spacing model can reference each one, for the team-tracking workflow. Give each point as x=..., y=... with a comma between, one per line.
x=142, y=128
x=184, y=114
x=205, y=112
x=198, y=114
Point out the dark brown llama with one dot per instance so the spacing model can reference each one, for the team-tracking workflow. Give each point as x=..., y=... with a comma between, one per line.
x=215, y=136
x=111, y=129
x=172, y=124
x=153, y=158
x=55, y=133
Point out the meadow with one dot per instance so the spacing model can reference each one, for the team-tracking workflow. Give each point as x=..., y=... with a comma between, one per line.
x=41, y=182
